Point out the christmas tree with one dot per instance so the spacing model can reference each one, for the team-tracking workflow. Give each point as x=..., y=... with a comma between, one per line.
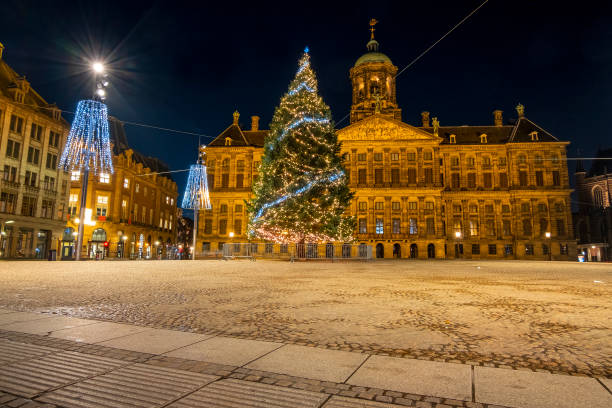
x=302, y=192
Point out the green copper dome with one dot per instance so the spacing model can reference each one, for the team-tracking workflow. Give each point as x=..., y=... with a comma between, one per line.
x=373, y=55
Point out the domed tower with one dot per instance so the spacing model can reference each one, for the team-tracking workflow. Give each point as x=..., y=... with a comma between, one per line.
x=373, y=80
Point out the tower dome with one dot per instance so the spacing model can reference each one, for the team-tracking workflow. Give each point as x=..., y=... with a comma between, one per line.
x=373, y=55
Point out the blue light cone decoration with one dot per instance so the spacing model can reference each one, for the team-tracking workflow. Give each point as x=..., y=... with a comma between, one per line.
x=196, y=193
x=88, y=143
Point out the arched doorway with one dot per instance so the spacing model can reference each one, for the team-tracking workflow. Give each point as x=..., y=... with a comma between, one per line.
x=97, y=249
x=414, y=251
x=397, y=251
x=380, y=250
x=141, y=242
x=431, y=251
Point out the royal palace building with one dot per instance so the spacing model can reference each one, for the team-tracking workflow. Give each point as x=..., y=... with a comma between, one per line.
x=131, y=213
x=33, y=191
x=428, y=191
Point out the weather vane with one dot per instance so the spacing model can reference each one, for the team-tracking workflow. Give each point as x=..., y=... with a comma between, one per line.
x=372, y=24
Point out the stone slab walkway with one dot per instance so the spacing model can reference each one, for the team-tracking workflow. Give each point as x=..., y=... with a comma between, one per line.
x=55, y=361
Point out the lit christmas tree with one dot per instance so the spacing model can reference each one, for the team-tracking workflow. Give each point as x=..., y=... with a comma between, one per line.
x=302, y=192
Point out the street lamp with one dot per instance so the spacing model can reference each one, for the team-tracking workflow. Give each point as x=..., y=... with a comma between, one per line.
x=547, y=234
x=231, y=234
x=457, y=245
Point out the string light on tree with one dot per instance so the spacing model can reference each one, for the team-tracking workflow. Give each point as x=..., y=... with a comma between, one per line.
x=302, y=193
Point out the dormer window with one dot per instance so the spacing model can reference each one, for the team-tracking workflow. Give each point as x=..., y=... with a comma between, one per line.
x=534, y=136
x=483, y=138
x=453, y=139
x=228, y=141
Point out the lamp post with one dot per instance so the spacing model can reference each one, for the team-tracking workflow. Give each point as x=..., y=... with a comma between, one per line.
x=88, y=146
x=549, y=246
x=458, y=236
x=123, y=248
x=196, y=197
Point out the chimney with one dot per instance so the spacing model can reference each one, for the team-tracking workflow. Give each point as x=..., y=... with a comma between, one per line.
x=425, y=118
x=1, y=49
x=254, y=123
x=498, y=118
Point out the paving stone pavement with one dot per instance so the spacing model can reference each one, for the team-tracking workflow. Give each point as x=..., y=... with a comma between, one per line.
x=48, y=371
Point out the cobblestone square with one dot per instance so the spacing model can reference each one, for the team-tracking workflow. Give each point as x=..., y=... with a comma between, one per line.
x=553, y=316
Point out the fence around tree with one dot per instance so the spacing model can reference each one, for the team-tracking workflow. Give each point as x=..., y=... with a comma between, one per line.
x=329, y=251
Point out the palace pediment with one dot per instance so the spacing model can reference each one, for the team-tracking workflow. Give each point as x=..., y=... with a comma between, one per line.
x=380, y=127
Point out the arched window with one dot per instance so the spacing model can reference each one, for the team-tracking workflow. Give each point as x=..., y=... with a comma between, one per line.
x=598, y=197
x=98, y=235
x=453, y=139
x=483, y=138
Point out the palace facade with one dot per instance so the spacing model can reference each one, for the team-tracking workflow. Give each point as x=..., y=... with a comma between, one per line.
x=428, y=191
x=33, y=191
x=131, y=213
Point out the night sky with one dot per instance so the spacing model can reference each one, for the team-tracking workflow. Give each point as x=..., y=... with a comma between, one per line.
x=176, y=65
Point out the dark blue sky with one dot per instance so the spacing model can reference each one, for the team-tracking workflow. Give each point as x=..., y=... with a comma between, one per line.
x=188, y=67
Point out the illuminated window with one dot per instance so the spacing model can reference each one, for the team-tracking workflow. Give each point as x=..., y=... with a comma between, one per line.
x=395, y=205
x=379, y=226
x=363, y=226
x=483, y=138
x=104, y=178
x=395, y=225
x=363, y=206
x=413, y=229
x=427, y=156
x=453, y=139
x=137, y=187
x=75, y=175
x=73, y=203
x=412, y=205
x=124, y=209
x=429, y=205
x=394, y=156
x=379, y=205
x=102, y=205
x=126, y=183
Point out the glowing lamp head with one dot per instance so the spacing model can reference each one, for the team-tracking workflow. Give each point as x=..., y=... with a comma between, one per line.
x=547, y=235
x=156, y=243
x=457, y=234
x=9, y=221
x=98, y=67
x=124, y=237
x=101, y=92
x=231, y=235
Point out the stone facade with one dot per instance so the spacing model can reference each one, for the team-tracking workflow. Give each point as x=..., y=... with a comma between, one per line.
x=426, y=191
x=594, y=217
x=33, y=192
x=133, y=212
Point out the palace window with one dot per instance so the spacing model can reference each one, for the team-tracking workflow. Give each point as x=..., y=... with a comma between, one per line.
x=361, y=157
x=526, y=226
x=16, y=124
x=238, y=209
x=491, y=227
x=237, y=227
x=502, y=161
x=362, y=176
x=396, y=225
x=555, y=159
x=508, y=249
x=470, y=161
x=453, y=139
x=137, y=187
x=538, y=160
x=522, y=159
x=489, y=208
x=395, y=177
x=503, y=180
x=363, y=206
x=379, y=205
x=488, y=180
x=556, y=178
x=411, y=156
x=395, y=205
x=427, y=155
x=492, y=249
x=124, y=209
x=413, y=228
x=412, y=176
x=104, y=178
x=475, y=249
x=379, y=226
x=431, y=230
x=208, y=226
x=429, y=205
x=534, y=136
x=525, y=207
x=456, y=208
x=486, y=162
x=239, y=180
x=483, y=138
x=543, y=226
x=378, y=156
x=522, y=178
x=455, y=161
x=473, y=208
x=223, y=209
x=428, y=175
x=363, y=229
x=222, y=227
x=126, y=183
x=560, y=227
x=506, y=227
x=394, y=156
x=528, y=249
x=455, y=180
x=473, y=227
x=412, y=205
x=378, y=176
x=539, y=178
x=471, y=180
